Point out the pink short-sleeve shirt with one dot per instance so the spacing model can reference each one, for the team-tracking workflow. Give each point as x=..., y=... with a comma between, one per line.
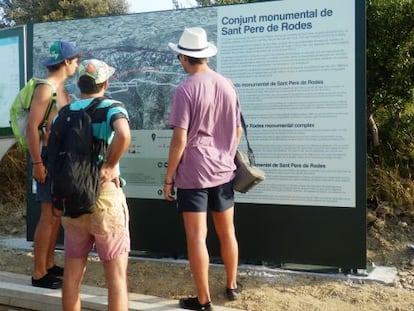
x=206, y=106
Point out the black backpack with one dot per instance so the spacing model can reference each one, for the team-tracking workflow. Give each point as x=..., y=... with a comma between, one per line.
x=72, y=160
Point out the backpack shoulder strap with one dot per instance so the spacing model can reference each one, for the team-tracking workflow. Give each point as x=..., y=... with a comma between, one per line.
x=45, y=81
x=93, y=105
x=89, y=108
x=95, y=102
x=52, y=102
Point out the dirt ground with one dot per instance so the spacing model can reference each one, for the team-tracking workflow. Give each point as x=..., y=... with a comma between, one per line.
x=388, y=241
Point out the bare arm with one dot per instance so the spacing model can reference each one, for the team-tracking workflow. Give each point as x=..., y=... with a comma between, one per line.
x=239, y=134
x=41, y=99
x=177, y=147
x=116, y=149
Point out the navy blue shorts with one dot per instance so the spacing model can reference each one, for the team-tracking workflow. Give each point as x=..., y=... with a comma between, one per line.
x=44, y=191
x=218, y=199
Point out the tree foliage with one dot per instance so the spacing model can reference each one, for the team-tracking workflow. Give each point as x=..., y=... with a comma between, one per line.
x=390, y=81
x=25, y=11
x=390, y=52
x=5, y=21
x=224, y=2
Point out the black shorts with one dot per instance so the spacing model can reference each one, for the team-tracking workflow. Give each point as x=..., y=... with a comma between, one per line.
x=218, y=199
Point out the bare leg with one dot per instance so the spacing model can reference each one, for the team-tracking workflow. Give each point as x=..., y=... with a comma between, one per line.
x=45, y=235
x=224, y=225
x=195, y=224
x=50, y=261
x=116, y=278
x=72, y=280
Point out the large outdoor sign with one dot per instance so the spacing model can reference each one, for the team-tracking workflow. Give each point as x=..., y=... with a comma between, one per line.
x=299, y=68
x=12, y=51
x=293, y=64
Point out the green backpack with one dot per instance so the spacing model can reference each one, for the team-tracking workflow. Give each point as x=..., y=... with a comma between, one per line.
x=19, y=110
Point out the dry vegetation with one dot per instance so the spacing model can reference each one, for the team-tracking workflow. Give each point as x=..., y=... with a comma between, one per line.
x=12, y=191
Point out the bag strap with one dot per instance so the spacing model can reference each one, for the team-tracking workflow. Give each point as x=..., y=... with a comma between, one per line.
x=93, y=105
x=250, y=152
x=52, y=102
x=99, y=147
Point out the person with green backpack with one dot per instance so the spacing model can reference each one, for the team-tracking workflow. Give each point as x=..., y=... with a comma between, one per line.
x=61, y=63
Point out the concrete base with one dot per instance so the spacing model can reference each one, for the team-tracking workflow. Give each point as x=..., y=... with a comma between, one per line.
x=16, y=291
x=380, y=274
x=375, y=274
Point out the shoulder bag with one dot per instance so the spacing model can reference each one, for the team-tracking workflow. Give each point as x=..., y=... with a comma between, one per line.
x=247, y=174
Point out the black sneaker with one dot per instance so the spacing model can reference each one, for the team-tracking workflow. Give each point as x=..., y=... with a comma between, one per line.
x=234, y=293
x=55, y=271
x=193, y=304
x=48, y=281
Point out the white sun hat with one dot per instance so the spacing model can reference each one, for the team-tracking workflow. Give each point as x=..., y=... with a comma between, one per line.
x=193, y=43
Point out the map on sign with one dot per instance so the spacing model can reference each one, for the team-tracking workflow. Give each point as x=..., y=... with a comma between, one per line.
x=146, y=75
x=147, y=72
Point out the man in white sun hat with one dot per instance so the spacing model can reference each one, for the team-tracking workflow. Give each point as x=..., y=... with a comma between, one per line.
x=205, y=119
x=107, y=228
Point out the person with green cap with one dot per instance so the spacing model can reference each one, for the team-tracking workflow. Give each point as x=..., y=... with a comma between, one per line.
x=61, y=63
